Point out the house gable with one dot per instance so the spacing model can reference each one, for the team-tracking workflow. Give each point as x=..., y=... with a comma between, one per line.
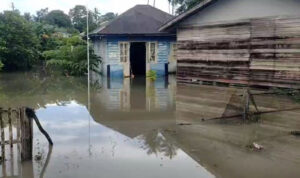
x=209, y=11
x=230, y=10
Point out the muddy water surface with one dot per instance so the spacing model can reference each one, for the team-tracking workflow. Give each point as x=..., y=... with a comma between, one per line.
x=141, y=129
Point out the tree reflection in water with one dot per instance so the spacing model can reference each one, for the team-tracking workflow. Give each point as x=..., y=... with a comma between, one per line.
x=156, y=143
x=36, y=91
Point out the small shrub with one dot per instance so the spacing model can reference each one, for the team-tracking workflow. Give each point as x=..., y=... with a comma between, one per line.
x=292, y=93
x=1, y=65
x=151, y=74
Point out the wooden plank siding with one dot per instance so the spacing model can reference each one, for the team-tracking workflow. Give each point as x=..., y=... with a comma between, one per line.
x=263, y=52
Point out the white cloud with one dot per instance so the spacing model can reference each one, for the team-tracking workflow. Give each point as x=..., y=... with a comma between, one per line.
x=5, y=4
x=117, y=6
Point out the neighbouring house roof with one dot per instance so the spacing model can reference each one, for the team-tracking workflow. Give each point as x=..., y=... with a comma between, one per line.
x=100, y=27
x=185, y=15
x=139, y=20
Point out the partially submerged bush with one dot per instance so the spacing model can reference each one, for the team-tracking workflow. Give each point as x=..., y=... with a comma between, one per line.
x=292, y=93
x=1, y=65
x=71, y=57
x=151, y=74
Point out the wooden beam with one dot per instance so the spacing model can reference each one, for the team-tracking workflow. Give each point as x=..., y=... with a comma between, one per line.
x=26, y=137
x=2, y=135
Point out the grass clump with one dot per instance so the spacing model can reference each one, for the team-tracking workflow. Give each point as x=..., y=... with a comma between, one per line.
x=292, y=93
x=151, y=74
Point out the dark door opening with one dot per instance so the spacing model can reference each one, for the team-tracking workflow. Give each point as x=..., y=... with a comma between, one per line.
x=138, y=58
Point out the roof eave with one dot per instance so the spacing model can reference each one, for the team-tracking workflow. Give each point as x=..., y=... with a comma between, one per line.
x=134, y=34
x=184, y=15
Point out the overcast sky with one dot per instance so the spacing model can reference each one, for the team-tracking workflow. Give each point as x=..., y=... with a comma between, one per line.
x=117, y=6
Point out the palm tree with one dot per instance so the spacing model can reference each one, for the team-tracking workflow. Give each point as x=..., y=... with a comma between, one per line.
x=156, y=143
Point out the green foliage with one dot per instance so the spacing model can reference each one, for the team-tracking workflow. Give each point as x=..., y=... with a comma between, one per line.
x=1, y=65
x=31, y=40
x=184, y=5
x=41, y=14
x=78, y=18
x=44, y=33
x=151, y=74
x=27, y=16
x=108, y=17
x=18, y=42
x=58, y=18
x=71, y=57
x=292, y=93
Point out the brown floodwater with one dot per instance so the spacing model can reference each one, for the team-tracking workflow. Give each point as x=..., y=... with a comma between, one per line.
x=138, y=128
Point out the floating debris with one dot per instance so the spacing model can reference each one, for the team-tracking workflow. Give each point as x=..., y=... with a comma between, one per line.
x=296, y=133
x=254, y=146
x=38, y=157
x=170, y=131
x=184, y=124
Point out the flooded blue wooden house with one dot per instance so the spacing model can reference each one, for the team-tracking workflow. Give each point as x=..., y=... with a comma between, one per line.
x=133, y=45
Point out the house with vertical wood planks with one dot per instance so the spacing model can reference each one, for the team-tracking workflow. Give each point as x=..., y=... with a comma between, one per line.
x=132, y=44
x=251, y=42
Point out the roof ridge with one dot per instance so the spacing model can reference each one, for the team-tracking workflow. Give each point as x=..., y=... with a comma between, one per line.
x=150, y=17
x=153, y=17
x=155, y=9
x=118, y=17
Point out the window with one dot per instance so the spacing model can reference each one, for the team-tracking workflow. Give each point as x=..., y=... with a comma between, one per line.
x=152, y=51
x=173, y=51
x=124, y=52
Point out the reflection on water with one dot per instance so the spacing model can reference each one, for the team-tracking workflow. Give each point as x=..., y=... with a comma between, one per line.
x=124, y=138
x=130, y=130
x=137, y=94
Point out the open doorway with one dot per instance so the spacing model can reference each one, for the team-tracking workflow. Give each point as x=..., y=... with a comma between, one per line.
x=138, y=58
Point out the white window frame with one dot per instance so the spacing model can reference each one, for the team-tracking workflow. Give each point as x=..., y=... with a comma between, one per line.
x=149, y=52
x=124, y=52
x=173, y=51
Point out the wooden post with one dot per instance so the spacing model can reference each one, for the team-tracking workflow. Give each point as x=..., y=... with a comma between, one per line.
x=246, y=105
x=9, y=112
x=27, y=169
x=19, y=125
x=26, y=136
x=2, y=136
x=10, y=128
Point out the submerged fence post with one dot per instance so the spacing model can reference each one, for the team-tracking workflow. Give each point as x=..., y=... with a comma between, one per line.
x=26, y=136
x=2, y=135
x=10, y=128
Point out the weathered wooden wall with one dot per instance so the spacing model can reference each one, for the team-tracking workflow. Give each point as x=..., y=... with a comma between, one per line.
x=263, y=52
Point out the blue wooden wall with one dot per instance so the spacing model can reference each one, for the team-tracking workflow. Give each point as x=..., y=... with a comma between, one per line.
x=163, y=53
x=113, y=53
x=113, y=59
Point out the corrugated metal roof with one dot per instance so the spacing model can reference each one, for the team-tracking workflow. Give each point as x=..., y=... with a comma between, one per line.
x=139, y=20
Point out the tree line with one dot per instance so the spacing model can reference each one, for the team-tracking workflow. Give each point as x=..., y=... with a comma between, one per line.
x=49, y=39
